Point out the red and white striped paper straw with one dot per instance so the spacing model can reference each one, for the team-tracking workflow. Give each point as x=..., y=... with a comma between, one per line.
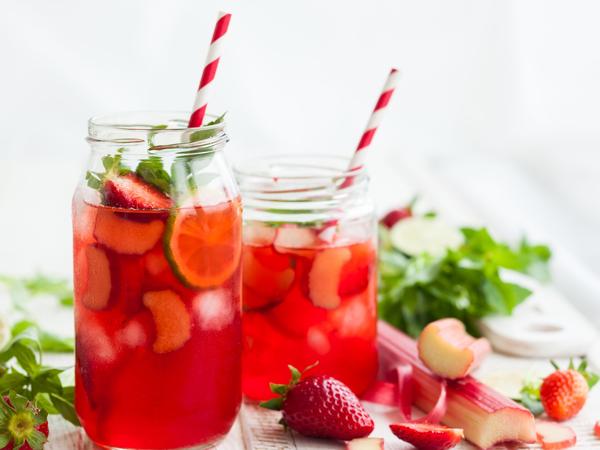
x=374, y=120
x=210, y=69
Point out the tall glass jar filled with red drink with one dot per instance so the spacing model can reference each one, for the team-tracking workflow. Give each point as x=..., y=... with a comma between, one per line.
x=157, y=235
x=309, y=278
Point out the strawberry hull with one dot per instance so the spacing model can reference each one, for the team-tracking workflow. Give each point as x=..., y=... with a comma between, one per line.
x=158, y=363
x=306, y=304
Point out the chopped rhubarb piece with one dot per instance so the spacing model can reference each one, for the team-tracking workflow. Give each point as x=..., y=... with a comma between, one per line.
x=597, y=429
x=126, y=236
x=324, y=277
x=370, y=443
x=97, y=291
x=256, y=233
x=485, y=416
x=427, y=436
x=130, y=191
x=553, y=436
x=171, y=319
x=449, y=351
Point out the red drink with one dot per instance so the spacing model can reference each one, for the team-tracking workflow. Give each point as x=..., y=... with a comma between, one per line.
x=307, y=300
x=158, y=361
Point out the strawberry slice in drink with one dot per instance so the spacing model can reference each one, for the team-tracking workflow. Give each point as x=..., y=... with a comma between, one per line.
x=356, y=273
x=130, y=191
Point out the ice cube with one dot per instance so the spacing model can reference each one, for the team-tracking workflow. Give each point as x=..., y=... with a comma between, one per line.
x=133, y=334
x=214, y=309
x=96, y=344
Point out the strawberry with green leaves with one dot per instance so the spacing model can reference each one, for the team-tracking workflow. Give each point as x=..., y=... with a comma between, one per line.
x=564, y=392
x=23, y=426
x=320, y=406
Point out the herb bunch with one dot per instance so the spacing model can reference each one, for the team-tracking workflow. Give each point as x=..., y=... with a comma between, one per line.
x=464, y=282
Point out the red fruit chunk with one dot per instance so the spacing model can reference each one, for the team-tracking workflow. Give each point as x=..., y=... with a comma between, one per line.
x=171, y=318
x=97, y=291
x=597, y=429
x=425, y=436
x=324, y=277
x=563, y=393
x=126, y=236
x=322, y=406
x=129, y=191
x=265, y=285
x=553, y=436
x=355, y=274
x=22, y=422
x=395, y=215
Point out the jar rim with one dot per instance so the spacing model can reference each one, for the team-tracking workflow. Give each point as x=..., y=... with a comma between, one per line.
x=155, y=130
x=336, y=166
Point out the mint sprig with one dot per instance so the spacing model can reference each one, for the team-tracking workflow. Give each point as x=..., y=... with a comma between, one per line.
x=465, y=283
x=22, y=372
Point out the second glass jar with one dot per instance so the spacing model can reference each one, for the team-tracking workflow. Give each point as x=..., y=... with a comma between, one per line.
x=309, y=271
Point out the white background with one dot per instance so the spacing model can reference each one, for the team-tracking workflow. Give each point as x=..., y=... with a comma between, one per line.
x=485, y=84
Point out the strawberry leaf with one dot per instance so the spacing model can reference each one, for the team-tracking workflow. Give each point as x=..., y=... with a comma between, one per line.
x=275, y=404
x=4, y=438
x=36, y=440
x=280, y=389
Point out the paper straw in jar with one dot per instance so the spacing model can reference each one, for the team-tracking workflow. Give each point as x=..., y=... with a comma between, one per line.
x=210, y=69
x=366, y=138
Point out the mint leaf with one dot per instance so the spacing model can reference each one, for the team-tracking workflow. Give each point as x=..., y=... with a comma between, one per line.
x=151, y=170
x=112, y=164
x=28, y=379
x=153, y=133
x=201, y=134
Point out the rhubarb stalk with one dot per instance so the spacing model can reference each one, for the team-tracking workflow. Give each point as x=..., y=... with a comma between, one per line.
x=449, y=351
x=486, y=416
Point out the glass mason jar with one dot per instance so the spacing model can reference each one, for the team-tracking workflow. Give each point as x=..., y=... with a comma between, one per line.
x=309, y=275
x=157, y=234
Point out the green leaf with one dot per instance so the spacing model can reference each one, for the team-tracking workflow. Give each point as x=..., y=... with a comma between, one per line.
x=280, y=389
x=13, y=380
x=36, y=439
x=295, y=374
x=153, y=133
x=56, y=344
x=275, y=404
x=202, y=134
x=465, y=283
x=4, y=439
x=65, y=406
x=151, y=170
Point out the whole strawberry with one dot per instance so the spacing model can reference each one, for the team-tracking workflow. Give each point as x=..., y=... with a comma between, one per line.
x=22, y=425
x=564, y=392
x=320, y=406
